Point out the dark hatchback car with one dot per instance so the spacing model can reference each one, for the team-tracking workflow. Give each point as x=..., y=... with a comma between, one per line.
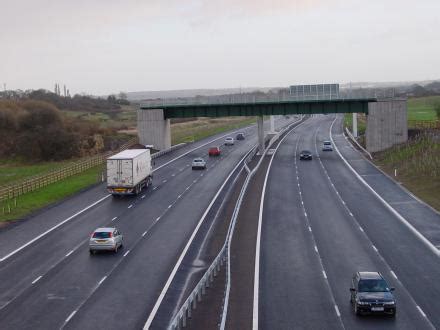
x=305, y=155
x=370, y=294
x=240, y=136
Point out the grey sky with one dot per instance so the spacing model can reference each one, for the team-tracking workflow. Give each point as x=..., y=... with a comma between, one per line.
x=106, y=46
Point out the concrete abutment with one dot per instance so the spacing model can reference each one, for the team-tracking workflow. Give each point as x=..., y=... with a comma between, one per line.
x=154, y=129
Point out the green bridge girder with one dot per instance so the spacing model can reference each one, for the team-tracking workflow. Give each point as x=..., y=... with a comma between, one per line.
x=263, y=108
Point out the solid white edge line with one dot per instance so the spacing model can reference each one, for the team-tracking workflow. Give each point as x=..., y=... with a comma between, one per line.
x=337, y=311
x=37, y=279
x=70, y=317
x=384, y=202
x=182, y=255
x=421, y=311
x=52, y=229
x=394, y=274
x=255, y=312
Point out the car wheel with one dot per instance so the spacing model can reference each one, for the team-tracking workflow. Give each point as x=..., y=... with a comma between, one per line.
x=92, y=252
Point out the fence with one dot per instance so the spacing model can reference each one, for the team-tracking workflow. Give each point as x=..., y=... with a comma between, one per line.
x=14, y=190
x=180, y=319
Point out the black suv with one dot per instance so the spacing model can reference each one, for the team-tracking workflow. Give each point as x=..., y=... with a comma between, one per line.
x=370, y=293
x=240, y=136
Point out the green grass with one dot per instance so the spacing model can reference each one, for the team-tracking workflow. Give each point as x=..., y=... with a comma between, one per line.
x=422, y=108
x=362, y=123
x=418, y=166
x=197, y=130
x=15, y=170
x=30, y=202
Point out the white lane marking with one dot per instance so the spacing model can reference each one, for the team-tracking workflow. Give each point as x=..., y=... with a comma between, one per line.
x=125, y=254
x=70, y=317
x=164, y=181
x=157, y=219
x=394, y=274
x=337, y=311
x=324, y=274
x=179, y=196
x=375, y=248
x=143, y=196
x=384, y=202
x=114, y=218
x=130, y=206
x=316, y=249
x=310, y=229
x=52, y=229
x=421, y=311
x=360, y=228
x=305, y=213
x=145, y=233
x=170, y=206
x=37, y=279
x=182, y=255
x=155, y=188
x=195, y=181
x=69, y=253
x=187, y=188
x=351, y=214
x=102, y=280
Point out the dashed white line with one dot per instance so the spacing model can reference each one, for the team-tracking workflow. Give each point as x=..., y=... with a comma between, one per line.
x=310, y=229
x=187, y=188
x=337, y=311
x=143, y=196
x=37, y=279
x=130, y=206
x=316, y=249
x=421, y=311
x=69, y=253
x=102, y=280
x=155, y=188
x=164, y=181
x=125, y=254
x=179, y=196
x=70, y=317
x=360, y=228
x=114, y=218
x=394, y=274
x=158, y=218
x=174, y=174
x=324, y=274
x=170, y=206
x=195, y=181
x=351, y=214
x=145, y=233
x=375, y=248
x=305, y=213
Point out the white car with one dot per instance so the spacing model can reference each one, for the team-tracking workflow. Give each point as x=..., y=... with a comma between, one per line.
x=229, y=141
x=198, y=163
x=327, y=146
x=107, y=239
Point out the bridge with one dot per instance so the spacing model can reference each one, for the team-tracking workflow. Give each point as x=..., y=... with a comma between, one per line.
x=382, y=110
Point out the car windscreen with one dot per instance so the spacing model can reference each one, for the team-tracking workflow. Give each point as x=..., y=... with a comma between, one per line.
x=327, y=143
x=373, y=285
x=305, y=152
x=102, y=234
x=198, y=160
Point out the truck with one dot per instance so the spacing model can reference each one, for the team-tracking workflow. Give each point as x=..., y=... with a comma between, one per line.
x=129, y=171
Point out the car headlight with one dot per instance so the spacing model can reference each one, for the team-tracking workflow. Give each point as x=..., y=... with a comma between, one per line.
x=389, y=303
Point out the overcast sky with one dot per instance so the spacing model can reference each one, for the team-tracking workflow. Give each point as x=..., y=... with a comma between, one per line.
x=107, y=46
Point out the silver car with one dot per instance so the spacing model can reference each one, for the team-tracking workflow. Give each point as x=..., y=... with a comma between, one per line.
x=198, y=163
x=229, y=141
x=327, y=146
x=105, y=239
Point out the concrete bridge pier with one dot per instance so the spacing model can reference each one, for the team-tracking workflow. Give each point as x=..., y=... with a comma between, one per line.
x=154, y=129
x=355, y=125
x=260, y=130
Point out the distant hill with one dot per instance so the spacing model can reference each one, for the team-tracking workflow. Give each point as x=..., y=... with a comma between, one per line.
x=147, y=95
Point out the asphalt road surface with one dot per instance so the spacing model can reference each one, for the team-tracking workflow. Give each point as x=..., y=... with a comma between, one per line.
x=48, y=280
x=321, y=224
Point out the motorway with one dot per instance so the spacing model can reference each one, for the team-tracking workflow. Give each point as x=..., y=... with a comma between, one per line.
x=48, y=280
x=320, y=224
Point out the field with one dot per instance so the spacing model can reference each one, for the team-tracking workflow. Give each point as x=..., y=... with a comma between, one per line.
x=422, y=108
x=418, y=166
x=33, y=201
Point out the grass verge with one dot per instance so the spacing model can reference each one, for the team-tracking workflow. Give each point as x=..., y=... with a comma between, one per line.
x=33, y=201
x=422, y=108
x=418, y=166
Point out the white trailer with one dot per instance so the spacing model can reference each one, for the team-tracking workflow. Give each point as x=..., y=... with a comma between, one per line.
x=129, y=171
